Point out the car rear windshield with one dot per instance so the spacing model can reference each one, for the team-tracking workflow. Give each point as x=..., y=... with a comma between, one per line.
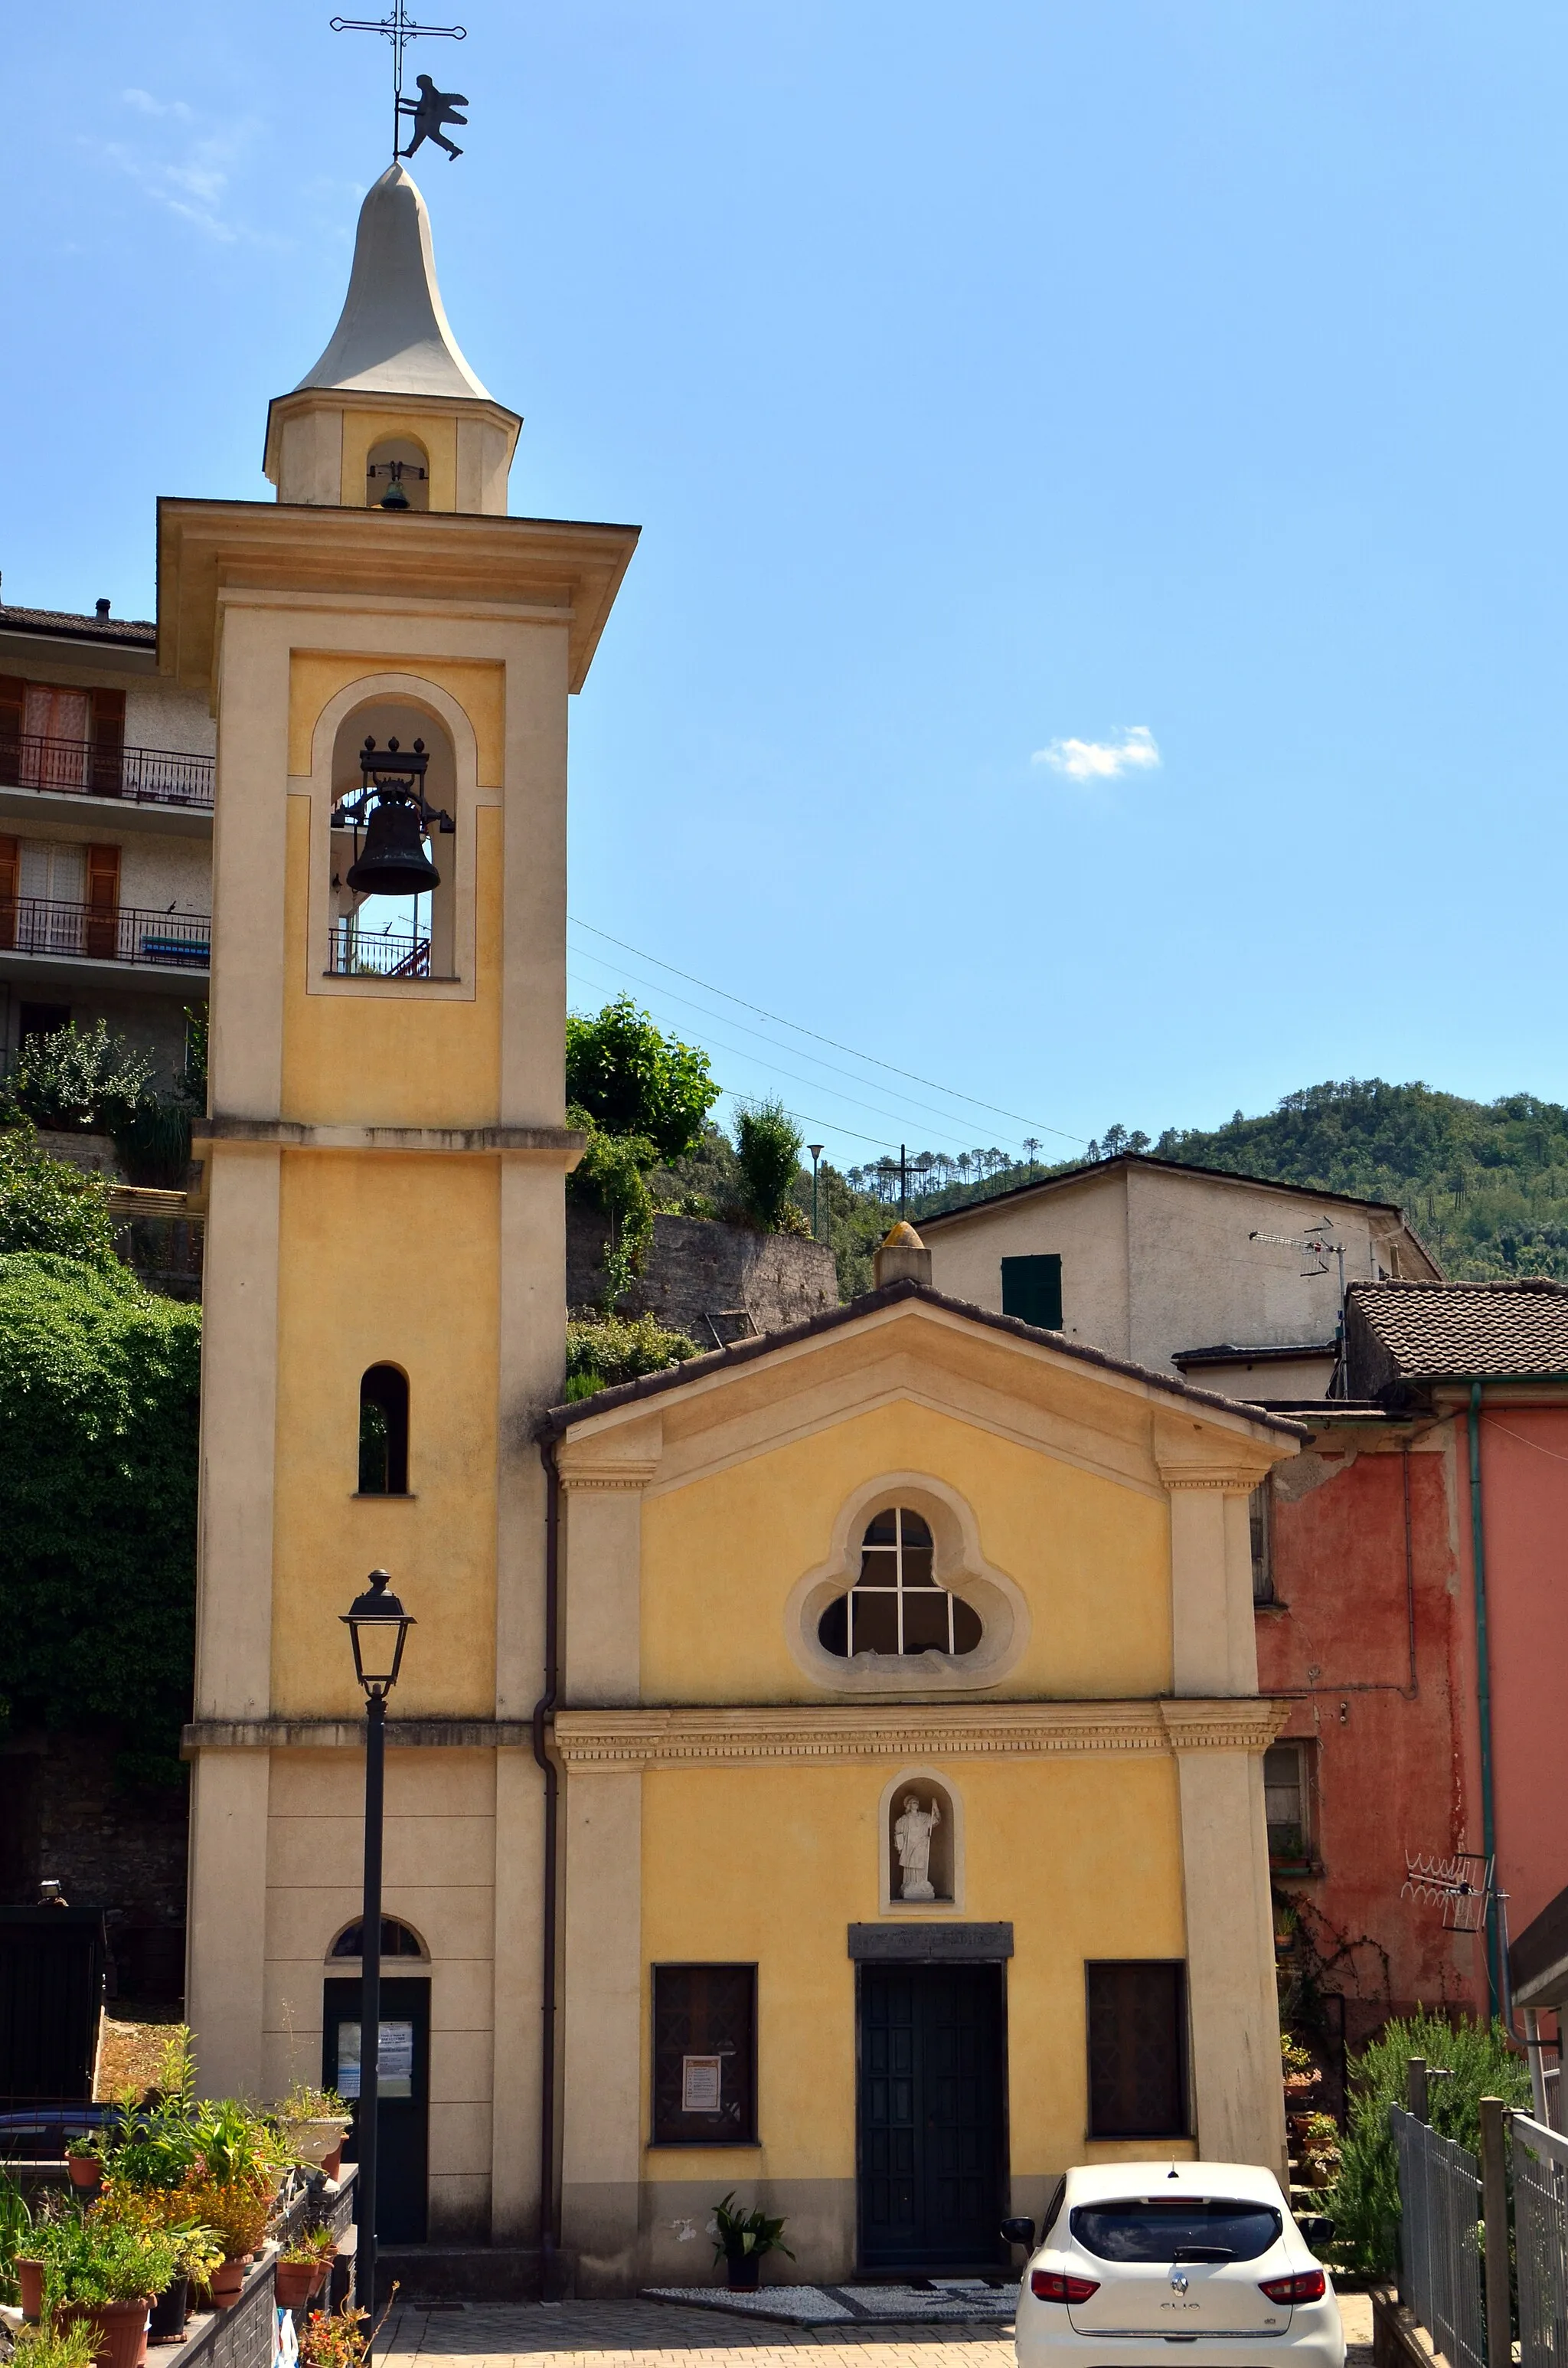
x=1147, y=2228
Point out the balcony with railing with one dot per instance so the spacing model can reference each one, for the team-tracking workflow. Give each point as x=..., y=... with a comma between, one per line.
x=362, y=953
x=92, y=768
x=53, y=926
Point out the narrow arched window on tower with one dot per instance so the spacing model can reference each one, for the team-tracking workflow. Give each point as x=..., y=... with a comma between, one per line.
x=383, y=1432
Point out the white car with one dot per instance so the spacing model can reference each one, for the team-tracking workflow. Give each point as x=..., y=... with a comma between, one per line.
x=1138, y=2259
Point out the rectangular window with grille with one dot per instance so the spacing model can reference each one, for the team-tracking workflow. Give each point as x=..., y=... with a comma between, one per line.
x=704, y=2054
x=1137, y=2049
x=1260, y=1519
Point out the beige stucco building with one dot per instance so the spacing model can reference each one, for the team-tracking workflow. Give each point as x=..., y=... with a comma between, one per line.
x=881, y=1696
x=1233, y=1281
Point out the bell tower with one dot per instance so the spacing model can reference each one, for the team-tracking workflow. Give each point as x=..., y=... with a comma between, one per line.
x=389, y=655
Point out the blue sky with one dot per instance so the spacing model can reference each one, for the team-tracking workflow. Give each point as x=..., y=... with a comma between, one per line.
x=1096, y=640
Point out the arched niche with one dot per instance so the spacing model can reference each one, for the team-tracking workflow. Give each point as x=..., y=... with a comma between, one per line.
x=402, y=460
x=920, y=1845
x=385, y=936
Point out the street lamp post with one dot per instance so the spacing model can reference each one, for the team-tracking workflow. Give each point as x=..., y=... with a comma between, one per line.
x=815, y=1150
x=378, y=1626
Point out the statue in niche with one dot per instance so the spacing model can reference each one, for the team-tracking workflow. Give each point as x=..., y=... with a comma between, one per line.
x=911, y=1839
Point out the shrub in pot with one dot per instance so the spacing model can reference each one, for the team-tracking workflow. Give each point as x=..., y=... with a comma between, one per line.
x=302, y=2267
x=104, y=2272
x=741, y=2238
x=53, y=2346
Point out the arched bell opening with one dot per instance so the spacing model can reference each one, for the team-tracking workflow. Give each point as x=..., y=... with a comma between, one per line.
x=397, y=475
x=394, y=848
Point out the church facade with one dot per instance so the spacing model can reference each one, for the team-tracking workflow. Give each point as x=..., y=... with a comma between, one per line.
x=830, y=1771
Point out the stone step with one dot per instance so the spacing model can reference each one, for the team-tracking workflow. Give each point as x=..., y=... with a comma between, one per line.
x=447, y=2273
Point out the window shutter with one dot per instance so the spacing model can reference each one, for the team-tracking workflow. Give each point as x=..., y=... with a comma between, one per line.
x=1031, y=1290
x=13, y=698
x=1138, y=2050
x=106, y=732
x=103, y=902
x=10, y=883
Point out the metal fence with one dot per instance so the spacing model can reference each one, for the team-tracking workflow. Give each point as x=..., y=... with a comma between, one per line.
x=353, y=953
x=117, y=933
x=1440, y=2239
x=1541, y=2236
x=157, y=777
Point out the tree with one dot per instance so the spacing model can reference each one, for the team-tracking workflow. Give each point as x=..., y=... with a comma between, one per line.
x=632, y=1079
x=99, y=1384
x=768, y=1145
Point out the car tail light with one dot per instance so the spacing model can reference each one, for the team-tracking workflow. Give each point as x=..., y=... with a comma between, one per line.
x=1055, y=2285
x=1309, y=2285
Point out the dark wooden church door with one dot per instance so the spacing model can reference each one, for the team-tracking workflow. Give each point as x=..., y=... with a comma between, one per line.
x=932, y=2118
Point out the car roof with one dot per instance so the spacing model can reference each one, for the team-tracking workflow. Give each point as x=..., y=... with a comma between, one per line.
x=1107, y=2183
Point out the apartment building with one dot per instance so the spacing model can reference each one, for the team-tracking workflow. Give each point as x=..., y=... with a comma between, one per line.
x=106, y=834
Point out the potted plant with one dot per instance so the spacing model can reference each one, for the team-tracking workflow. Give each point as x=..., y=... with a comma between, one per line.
x=53, y=2347
x=302, y=2267
x=85, y=2161
x=740, y=2241
x=15, y=2233
x=104, y=2273
x=235, y=2212
x=338, y=2339
x=315, y=2122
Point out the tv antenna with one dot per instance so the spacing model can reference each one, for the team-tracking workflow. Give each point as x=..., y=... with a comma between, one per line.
x=1317, y=1245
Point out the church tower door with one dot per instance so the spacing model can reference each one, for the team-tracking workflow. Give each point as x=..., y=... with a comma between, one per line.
x=932, y=2115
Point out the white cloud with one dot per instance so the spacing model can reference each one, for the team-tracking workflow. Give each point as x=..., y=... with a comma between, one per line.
x=1101, y=760
x=145, y=104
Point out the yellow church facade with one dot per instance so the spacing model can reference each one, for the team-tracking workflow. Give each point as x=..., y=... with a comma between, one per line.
x=830, y=1771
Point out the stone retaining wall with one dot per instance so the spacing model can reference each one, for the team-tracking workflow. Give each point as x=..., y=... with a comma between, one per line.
x=714, y=1282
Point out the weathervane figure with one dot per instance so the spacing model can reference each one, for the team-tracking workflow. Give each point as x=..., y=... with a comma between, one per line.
x=432, y=107
x=430, y=111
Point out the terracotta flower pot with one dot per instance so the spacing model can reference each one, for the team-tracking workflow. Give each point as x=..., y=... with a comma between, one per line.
x=86, y=2171
x=332, y=2163
x=120, y=2328
x=170, y=2310
x=30, y=2277
x=744, y=2276
x=298, y=2281
x=226, y=2281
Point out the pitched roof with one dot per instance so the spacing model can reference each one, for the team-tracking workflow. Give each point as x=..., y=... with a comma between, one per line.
x=1402, y=1332
x=63, y=624
x=718, y=1361
x=1167, y=1166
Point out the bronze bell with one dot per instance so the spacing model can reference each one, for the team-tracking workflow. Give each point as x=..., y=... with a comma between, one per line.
x=394, y=862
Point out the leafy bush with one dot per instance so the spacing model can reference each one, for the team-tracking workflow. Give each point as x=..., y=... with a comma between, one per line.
x=153, y=1141
x=89, y=2258
x=610, y=1349
x=98, y=1395
x=612, y=1176
x=632, y=1079
x=52, y=2345
x=767, y=1147
x=76, y=1080
x=1363, y=2199
x=46, y=1204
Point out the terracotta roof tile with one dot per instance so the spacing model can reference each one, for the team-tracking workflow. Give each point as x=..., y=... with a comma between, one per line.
x=1403, y=1332
x=65, y=624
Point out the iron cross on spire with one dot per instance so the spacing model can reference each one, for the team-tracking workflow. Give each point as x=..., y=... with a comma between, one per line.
x=432, y=107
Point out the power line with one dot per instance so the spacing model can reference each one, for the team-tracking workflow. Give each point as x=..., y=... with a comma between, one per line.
x=952, y=1093
x=617, y=971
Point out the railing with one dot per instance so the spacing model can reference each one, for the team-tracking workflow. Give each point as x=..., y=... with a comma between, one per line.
x=352, y=955
x=124, y=933
x=1440, y=2240
x=153, y=777
x=1541, y=2236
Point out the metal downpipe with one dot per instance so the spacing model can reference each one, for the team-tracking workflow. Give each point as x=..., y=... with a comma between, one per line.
x=1483, y=1695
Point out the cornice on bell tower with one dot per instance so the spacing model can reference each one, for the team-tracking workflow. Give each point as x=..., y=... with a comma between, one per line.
x=393, y=385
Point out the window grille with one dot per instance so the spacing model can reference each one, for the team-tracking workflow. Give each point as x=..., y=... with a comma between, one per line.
x=896, y=1604
x=1137, y=2049
x=704, y=2054
x=1260, y=1517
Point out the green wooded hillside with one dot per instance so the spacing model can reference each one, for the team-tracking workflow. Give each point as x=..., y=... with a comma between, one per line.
x=1484, y=1184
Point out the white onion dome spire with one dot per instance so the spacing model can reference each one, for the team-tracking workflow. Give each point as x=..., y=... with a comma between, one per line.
x=393, y=337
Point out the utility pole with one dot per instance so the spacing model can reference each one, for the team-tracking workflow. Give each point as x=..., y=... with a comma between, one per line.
x=815, y=1150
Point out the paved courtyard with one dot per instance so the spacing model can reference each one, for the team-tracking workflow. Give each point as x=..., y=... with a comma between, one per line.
x=664, y=2335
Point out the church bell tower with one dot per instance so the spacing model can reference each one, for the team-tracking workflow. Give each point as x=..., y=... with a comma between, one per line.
x=389, y=655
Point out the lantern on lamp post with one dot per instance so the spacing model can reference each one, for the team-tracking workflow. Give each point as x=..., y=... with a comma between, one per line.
x=378, y=1627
